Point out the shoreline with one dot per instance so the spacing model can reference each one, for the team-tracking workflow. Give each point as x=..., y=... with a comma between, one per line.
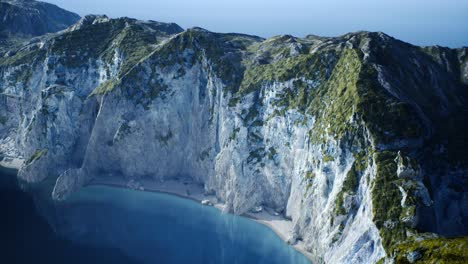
x=11, y=163
x=187, y=189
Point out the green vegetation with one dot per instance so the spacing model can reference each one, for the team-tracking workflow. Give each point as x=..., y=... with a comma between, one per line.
x=386, y=199
x=22, y=60
x=335, y=100
x=135, y=43
x=328, y=158
x=80, y=46
x=36, y=155
x=360, y=159
x=28, y=57
x=434, y=250
x=353, y=89
x=309, y=178
x=220, y=49
x=387, y=118
x=101, y=39
x=342, y=85
x=106, y=87
x=334, y=86
x=296, y=98
x=350, y=185
x=142, y=94
x=308, y=66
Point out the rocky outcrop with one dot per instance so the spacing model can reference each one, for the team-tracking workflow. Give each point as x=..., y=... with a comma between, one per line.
x=27, y=18
x=339, y=134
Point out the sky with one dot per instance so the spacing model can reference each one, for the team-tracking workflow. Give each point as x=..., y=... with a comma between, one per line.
x=420, y=22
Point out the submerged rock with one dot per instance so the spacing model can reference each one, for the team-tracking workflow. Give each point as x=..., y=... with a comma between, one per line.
x=206, y=202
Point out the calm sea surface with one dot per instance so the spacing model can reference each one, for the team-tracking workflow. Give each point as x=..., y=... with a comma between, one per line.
x=101, y=224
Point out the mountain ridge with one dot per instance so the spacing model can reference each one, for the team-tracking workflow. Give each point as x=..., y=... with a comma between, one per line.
x=22, y=20
x=43, y=17
x=355, y=138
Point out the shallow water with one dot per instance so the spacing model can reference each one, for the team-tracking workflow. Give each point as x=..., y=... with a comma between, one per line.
x=161, y=228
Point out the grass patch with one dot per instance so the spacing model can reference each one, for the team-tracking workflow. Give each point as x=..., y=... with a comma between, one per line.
x=35, y=156
x=434, y=250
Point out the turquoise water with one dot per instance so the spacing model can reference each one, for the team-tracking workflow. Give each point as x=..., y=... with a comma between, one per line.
x=161, y=228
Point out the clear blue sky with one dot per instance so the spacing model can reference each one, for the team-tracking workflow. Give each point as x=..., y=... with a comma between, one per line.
x=421, y=22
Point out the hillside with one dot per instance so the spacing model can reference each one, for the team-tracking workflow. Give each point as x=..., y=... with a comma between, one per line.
x=359, y=139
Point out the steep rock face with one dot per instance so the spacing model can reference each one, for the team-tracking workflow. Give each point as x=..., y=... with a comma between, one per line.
x=23, y=19
x=355, y=138
x=33, y=18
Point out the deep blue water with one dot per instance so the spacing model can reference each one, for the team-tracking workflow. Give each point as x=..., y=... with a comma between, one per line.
x=113, y=225
x=160, y=228
x=27, y=238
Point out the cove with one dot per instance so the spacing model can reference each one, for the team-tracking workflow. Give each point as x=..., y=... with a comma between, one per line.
x=151, y=227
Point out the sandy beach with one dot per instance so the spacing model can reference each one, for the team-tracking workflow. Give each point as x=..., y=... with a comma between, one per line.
x=188, y=189
x=11, y=163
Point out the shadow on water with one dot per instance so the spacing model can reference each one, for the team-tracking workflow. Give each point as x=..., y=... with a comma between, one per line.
x=27, y=238
x=101, y=224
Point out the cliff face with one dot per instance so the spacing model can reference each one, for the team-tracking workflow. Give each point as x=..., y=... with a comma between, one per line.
x=24, y=19
x=32, y=18
x=358, y=139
